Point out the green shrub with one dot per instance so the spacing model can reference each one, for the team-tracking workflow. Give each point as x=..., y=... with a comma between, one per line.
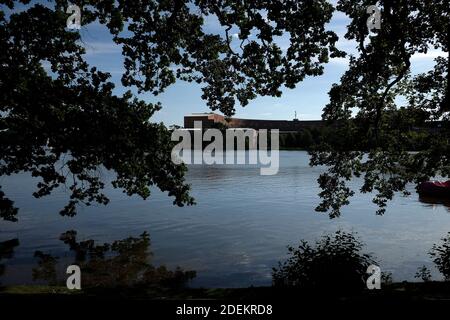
x=336, y=262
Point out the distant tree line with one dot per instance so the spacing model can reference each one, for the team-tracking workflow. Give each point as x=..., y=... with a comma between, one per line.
x=348, y=136
x=317, y=138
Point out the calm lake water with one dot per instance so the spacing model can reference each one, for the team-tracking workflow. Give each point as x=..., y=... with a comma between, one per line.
x=238, y=230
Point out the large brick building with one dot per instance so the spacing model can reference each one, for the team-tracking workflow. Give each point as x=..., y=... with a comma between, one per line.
x=210, y=120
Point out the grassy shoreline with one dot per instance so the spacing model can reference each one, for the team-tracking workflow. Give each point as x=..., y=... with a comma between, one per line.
x=433, y=290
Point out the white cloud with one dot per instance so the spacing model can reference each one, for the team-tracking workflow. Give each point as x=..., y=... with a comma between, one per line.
x=340, y=61
x=430, y=55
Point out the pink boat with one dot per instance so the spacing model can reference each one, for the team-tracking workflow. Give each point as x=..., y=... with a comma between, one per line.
x=435, y=189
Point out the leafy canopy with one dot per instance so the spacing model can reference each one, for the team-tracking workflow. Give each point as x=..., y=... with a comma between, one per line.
x=64, y=126
x=375, y=128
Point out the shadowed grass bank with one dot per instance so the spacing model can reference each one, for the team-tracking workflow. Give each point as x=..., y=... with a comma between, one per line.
x=395, y=292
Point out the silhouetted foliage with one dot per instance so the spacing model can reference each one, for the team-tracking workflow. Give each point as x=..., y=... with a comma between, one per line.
x=65, y=124
x=440, y=253
x=323, y=138
x=423, y=273
x=71, y=114
x=7, y=210
x=121, y=264
x=376, y=128
x=334, y=263
x=46, y=269
x=386, y=277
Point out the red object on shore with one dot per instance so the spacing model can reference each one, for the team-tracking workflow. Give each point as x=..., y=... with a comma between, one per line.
x=435, y=188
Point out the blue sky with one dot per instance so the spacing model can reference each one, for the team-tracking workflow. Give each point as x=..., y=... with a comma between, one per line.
x=308, y=98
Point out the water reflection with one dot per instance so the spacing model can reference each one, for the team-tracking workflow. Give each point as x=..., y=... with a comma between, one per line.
x=433, y=202
x=121, y=264
x=8, y=211
x=237, y=231
x=7, y=252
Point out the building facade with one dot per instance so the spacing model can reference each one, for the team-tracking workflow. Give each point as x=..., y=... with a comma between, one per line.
x=211, y=120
